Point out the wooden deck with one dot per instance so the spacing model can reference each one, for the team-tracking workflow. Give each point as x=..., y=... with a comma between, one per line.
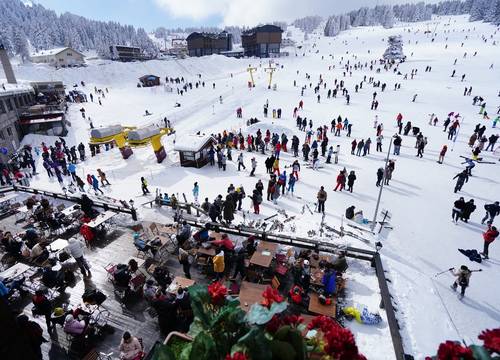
x=134, y=317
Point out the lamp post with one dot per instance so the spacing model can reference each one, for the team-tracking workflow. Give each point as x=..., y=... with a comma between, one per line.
x=374, y=222
x=132, y=210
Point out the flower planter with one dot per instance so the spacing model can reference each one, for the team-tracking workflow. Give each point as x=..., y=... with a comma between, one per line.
x=177, y=341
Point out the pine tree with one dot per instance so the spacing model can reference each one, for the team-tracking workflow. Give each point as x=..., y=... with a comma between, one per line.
x=395, y=49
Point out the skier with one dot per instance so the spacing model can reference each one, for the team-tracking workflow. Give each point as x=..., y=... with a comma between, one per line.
x=462, y=178
x=469, y=208
x=144, y=186
x=463, y=277
x=196, y=192
x=379, y=142
x=103, y=178
x=322, y=196
x=489, y=236
x=361, y=145
x=492, y=210
x=350, y=180
x=295, y=169
x=353, y=146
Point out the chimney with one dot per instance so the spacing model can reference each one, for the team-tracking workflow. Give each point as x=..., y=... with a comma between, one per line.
x=7, y=67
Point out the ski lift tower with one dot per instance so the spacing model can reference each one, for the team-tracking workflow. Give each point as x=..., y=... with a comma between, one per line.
x=270, y=70
x=250, y=70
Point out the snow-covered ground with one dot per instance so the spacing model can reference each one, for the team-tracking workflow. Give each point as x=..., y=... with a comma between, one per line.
x=420, y=197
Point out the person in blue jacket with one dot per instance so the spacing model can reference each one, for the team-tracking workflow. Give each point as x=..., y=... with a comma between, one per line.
x=95, y=184
x=329, y=281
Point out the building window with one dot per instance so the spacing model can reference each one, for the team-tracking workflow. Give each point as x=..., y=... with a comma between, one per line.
x=21, y=101
x=2, y=137
x=9, y=105
x=9, y=131
x=16, y=102
x=69, y=54
x=2, y=107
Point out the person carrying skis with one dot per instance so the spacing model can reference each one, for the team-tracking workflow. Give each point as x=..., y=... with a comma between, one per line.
x=492, y=210
x=489, y=236
x=144, y=186
x=462, y=178
x=463, y=278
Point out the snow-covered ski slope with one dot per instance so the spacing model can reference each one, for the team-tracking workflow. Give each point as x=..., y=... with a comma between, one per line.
x=420, y=196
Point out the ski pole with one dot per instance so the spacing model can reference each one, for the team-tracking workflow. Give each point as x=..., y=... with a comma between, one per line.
x=442, y=272
x=478, y=270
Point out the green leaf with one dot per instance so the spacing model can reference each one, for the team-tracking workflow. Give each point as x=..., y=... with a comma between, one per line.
x=162, y=352
x=480, y=353
x=260, y=315
x=186, y=352
x=199, y=299
x=203, y=347
x=195, y=328
x=257, y=344
x=282, y=350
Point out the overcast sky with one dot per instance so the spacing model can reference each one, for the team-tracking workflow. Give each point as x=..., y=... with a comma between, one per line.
x=150, y=14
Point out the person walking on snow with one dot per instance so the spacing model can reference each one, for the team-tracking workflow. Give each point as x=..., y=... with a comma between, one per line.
x=291, y=184
x=463, y=278
x=350, y=181
x=144, y=186
x=95, y=185
x=458, y=208
x=102, y=176
x=322, y=196
x=489, y=236
x=254, y=166
x=492, y=210
x=340, y=181
x=240, y=162
x=196, y=192
x=462, y=178
x=442, y=153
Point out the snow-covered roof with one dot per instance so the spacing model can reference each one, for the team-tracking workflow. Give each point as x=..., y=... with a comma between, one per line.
x=14, y=88
x=191, y=142
x=52, y=52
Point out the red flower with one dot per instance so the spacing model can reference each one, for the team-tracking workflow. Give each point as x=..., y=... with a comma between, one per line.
x=293, y=320
x=340, y=343
x=451, y=350
x=274, y=324
x=270, y=296
x=236, y=356
x=324, y=323
x=491, y=339
x=217, y=292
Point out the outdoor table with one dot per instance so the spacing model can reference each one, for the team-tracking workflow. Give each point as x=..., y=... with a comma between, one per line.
x=317, y=308
x=57, y=245
x=101, y=219
x=14, y=271
x=205, y=252
x=264, y=245
x=262, y=258
x=69, y=211
x=179, y=282
x=250, y=294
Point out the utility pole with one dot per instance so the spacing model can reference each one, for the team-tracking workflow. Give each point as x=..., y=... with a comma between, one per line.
x=251, y=69
x=374, y=222
x=270, y=70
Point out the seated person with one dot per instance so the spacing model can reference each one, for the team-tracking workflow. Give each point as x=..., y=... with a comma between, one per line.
x=30, y=237
x=149, y=290
x=349, y=213
x=73, y=326
x=358, y=217
x=52, y=278
x=173, y=201
x=12, y=246
x=7, y=287
x=329, y=281
x=224, y=242
x=130, y=347
x=39, y=253
x=122, y=275
x=143, y=245
x=184, y=233
x=162, y=276
x=165, y=200
x=202, y=235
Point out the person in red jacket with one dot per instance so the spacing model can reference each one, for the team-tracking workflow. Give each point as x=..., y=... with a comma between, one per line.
x=340, y=181
x=489, y=236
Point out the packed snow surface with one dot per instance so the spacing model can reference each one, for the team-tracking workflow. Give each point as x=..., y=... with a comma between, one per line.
x=424, y=240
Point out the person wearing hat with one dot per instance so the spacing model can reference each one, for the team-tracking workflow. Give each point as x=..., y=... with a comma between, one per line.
x=492, y=210
x=305, y=276
x=463, y=277
x=239, y=261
